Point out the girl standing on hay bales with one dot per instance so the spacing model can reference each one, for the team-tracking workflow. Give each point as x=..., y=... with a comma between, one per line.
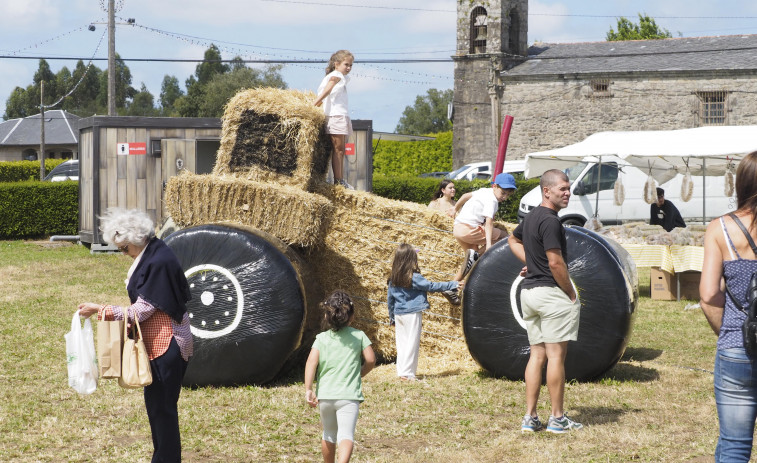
x=336, y=360
x=407, y=299
x=332, y=93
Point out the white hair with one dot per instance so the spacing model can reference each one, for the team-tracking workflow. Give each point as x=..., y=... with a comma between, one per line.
x=126, y=226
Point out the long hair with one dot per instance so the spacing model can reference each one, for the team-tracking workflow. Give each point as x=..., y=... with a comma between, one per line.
x=338, y=310
x=337, y=58
x=405, y=262
x=746, y=186
x=438, y=194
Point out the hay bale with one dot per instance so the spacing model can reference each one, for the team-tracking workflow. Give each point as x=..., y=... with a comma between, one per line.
x=274, y=136
x=357, y=255
x=294, y=216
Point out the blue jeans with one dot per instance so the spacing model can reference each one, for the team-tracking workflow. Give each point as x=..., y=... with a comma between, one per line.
x=736, y=399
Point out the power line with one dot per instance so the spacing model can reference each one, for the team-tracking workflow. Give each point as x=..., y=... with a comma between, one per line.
x=254, y=61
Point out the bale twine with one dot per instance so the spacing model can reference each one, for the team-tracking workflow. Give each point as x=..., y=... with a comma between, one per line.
x=294, y=216
x=274, y=136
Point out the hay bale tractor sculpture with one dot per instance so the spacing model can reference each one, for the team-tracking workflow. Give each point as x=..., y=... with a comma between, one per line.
x=263, y=238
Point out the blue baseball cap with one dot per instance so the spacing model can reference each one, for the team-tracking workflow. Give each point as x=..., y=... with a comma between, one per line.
x=504, y=180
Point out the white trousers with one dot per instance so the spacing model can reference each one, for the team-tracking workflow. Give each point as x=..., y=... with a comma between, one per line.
x=407, y=333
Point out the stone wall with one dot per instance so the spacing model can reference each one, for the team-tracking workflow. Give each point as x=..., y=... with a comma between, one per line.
x=552, y=114
x=472, y=118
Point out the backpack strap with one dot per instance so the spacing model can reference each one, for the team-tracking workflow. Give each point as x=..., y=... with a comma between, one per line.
x=749, y=239
x=735, y=301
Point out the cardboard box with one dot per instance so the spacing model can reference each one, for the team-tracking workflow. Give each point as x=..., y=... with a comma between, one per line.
x=664, y=286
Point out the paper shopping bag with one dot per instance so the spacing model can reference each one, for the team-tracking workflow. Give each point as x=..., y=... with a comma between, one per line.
x=110, y=342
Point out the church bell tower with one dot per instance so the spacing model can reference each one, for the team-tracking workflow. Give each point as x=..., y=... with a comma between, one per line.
x=491, y=38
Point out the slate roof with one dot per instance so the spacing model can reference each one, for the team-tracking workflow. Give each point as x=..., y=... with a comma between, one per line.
x=721, y=53
x=60, y=129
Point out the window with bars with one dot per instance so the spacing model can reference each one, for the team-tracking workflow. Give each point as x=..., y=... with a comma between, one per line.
x=600, y=88
x=713, y=107
x=478, y=30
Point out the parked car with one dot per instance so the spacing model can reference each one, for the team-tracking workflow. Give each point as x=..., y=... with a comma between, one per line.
x=68, y=170
x=483, y=170
x=434, y=174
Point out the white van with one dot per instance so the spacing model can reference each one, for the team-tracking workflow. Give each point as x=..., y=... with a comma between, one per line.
x=584, y=202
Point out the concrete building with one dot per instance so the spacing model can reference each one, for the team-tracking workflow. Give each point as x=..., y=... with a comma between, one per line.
x=559, y=94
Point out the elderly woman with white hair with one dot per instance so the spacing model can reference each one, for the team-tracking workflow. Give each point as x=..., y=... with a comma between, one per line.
x=158, y=291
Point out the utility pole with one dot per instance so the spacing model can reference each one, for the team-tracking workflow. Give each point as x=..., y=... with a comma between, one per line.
x=42, y=129
x=111, y=57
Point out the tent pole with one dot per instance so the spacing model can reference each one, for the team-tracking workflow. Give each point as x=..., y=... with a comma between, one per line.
x=704, y=191
x=596, y=200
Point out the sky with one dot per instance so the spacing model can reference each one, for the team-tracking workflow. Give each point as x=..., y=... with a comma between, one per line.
x=313, y=30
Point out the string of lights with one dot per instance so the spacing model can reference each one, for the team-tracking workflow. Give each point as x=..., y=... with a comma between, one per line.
x=84, y=74
x=50, y=40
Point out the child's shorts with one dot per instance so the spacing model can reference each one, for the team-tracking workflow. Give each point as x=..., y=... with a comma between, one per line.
x=549, y=314
x=338, y=125
x=475, y=236
x=339, y=418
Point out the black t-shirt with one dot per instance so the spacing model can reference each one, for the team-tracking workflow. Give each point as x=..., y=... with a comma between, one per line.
x=667, y=216
x=541, y=230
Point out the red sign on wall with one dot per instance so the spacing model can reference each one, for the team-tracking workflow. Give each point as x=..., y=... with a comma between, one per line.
x=131, y=148
x=349, y=149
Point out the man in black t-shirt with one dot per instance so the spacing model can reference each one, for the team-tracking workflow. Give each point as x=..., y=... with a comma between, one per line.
x=665, y=213
x=548, y=300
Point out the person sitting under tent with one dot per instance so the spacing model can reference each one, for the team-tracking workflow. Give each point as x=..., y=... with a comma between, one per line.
x=664, y=213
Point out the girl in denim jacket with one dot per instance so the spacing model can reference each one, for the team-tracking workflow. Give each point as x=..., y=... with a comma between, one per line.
x=407, y=299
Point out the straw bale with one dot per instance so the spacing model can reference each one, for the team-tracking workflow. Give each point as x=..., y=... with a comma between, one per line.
x=294, y=216
x=274, y=136
x=357, y=255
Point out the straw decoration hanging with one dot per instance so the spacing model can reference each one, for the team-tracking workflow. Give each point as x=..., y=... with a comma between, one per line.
x=687, y=185
x=650, y=188
x=619, y=192
x=729, y=179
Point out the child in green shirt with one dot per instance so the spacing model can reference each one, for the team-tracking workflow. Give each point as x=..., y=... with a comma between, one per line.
x=335, y=361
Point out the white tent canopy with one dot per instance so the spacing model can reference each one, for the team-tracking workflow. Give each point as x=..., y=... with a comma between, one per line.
x=663, y=153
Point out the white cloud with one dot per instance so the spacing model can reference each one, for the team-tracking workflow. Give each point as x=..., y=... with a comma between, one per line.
x=544, y=22
x=20, y=15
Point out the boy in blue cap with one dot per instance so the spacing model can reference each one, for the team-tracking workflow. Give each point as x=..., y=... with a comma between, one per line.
x=474, y=222
x=474, y=215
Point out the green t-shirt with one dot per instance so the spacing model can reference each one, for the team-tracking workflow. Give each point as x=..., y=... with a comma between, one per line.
x=339, y=364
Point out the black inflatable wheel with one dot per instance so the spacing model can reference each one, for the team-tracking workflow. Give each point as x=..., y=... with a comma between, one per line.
x=493, y=321
x=248, y=304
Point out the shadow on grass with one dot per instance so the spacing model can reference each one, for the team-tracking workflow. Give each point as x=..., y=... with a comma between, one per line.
x=640, y=354
x=444, y=374
x=589, y=416
x=623, y=372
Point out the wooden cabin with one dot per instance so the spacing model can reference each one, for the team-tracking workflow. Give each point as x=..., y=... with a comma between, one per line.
x=126, y=162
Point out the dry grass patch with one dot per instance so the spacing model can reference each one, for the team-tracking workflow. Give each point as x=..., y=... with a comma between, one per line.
x=656, y=405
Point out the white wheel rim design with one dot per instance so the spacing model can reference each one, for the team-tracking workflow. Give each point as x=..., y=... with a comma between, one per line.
x=514, y=301
x=206, y=334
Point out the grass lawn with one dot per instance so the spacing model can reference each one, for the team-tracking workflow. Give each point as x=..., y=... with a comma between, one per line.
x=656, y=405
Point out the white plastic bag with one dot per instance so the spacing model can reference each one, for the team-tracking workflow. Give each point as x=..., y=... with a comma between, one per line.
x=80, y=355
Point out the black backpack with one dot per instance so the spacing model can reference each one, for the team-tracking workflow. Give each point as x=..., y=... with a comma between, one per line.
x=749, y=328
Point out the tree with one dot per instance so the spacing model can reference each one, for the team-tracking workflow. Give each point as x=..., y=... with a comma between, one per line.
x=224, y=86
x=169, y=93
x=142, y=104
x=646, y=29
x=124, y=90
x=428, y=115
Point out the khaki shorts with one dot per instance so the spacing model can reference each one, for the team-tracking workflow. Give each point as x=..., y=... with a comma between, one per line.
x=549, y=314
x=338, y=125
x=472, y=237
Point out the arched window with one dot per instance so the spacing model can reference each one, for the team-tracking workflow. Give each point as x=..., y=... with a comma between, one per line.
x=514, y=35
x=478, y=30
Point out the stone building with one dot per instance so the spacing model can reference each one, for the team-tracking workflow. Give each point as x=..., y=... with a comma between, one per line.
x=559, y=94
x=19, y=138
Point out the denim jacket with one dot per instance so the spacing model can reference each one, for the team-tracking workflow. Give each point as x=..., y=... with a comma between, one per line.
x=403, y=301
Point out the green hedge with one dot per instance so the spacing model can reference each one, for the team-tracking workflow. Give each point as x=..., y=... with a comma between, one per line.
x=421, y=189
x=35, y=209
x=413, y=157
x=21, y=171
